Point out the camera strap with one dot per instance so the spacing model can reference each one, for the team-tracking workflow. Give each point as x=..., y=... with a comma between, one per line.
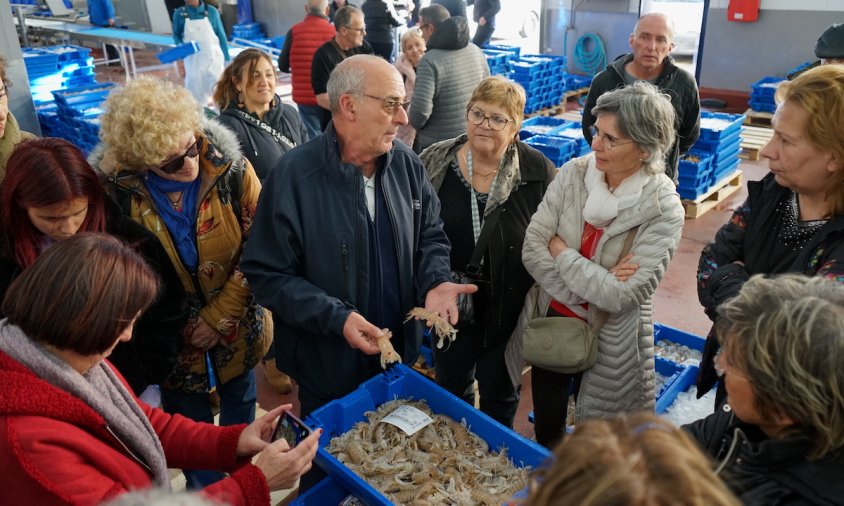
x=473, y=269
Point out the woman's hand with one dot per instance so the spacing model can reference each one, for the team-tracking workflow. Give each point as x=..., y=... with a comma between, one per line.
x=256, y=436
x=282, y=466
x=623, y=270
x=204, y=337
x=556, y=246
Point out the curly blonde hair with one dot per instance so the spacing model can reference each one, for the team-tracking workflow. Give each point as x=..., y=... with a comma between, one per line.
x=146, y=120
x=635, y=460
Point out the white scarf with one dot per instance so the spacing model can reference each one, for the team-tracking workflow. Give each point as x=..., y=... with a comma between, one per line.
x=602, y=205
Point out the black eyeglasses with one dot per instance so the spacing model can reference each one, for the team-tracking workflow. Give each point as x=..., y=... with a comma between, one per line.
x=175, y=164
x=361, y=30
x=389, y=105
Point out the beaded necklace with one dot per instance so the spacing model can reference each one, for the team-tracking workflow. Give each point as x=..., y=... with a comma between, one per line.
x=793, y=232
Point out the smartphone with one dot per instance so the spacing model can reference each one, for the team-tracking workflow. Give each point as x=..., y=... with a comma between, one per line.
x=291, y=428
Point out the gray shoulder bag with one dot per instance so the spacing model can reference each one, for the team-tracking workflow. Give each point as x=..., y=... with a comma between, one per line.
x=563, y=344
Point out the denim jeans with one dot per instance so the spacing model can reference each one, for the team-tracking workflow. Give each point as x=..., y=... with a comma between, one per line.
x=312, y=118
x=237, y=405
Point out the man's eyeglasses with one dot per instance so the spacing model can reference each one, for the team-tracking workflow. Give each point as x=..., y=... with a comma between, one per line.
x=389, y=105
x=495, y=122
x=176, y=164
x=361, y=30
x=607, y=141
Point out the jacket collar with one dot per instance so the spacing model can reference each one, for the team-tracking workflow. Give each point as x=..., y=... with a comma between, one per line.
x=11, y=137
x=333, y=155
x=438, y=157
x=618, y=67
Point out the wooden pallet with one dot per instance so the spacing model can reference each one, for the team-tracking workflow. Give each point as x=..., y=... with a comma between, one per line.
x=548, y=111
x=716, y=195
x=575, y=94
x=757, y=118
x=753, y=139
x=573, y=115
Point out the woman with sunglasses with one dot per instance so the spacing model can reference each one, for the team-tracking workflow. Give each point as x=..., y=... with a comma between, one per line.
x=185, y=179
x=50, y=194
x=572, y=249
x=488, y=178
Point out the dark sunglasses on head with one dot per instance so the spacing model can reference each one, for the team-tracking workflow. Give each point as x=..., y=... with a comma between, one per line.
x=176, y=164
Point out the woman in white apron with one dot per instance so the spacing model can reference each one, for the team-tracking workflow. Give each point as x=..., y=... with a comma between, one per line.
x=197, y=23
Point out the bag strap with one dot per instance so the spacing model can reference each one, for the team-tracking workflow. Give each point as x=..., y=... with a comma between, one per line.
x=473, y=269
x=602, y=316
x=278, y=136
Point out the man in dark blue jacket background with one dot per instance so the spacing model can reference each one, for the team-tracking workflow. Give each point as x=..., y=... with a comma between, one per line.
x=347, y=239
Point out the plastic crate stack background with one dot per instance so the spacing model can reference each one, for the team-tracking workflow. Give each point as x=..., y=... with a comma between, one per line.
x=248, y=31
x=55, y=67
x=498, y=58
x=75, y=116
x=762, y=94
x=557, y=138
x=720, y=141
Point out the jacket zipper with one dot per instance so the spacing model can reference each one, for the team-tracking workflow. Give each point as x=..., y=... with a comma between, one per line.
x=388, y=201
x=128, y=451
x=344, y=253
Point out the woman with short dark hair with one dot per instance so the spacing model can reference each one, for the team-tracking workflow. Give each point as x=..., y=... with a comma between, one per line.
x=70, y=429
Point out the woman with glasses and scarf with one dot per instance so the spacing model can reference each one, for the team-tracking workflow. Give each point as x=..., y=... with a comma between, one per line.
x=488, y=178
x=185, y=180
x=572, y=249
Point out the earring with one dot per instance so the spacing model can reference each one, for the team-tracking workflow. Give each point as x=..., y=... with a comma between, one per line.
x=239, y=99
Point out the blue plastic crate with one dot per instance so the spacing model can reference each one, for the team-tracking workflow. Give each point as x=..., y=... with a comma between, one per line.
x=514, y=50
x=527, y=69
x=719, y=176
x=717, y=125
x=337, y=417
x=35, y=58
x=762, y=106
x=557, y=149
x=680, y=384
x=179, y=52
x=541, y=125
x=689, y=166
x=327, y=491
x=713, y=146
x=666, y=394
x=664, y=332
x=574, y=132
x=766, y=87
x=69, y=52
x=557, y=61
x=693, y=192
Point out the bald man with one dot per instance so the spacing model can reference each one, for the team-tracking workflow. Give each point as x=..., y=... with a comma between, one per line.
x=347, y=239
x=651, y=41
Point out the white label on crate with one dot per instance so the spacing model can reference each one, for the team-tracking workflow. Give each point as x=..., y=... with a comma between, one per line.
x=408, y=419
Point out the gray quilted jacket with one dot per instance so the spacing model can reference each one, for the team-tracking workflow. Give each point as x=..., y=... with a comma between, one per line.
x=445, y=79
x=623, y=378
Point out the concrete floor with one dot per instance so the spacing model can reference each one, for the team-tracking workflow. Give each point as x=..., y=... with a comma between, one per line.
x=676, y=302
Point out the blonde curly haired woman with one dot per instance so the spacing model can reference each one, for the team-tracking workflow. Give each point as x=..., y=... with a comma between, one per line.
x=185, y=179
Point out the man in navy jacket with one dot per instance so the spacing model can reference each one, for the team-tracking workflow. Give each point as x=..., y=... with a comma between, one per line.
x=347, y=239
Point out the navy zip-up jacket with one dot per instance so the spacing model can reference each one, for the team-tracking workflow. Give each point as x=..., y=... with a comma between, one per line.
x=307, y=258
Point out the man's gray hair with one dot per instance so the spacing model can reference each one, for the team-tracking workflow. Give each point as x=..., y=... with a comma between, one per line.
x=645, y=115
x=317, y=7
x=343, y=16
x=347, y=77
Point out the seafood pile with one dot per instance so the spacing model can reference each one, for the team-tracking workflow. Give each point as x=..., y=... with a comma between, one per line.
x=442, y=328
x=677, y=353
x=442, y=463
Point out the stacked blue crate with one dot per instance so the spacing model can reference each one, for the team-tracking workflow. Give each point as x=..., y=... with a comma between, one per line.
x=694, y=174
x=248, y=31
x=531, y=74
x=556, y=82
x=541, y=125
x=762, y=94
x=516, y=51
x=558, y=149
x=498, y=61
x=56, y=67
x=574, y=131
x=720, y=138
x=76, y=114
x=577, y=81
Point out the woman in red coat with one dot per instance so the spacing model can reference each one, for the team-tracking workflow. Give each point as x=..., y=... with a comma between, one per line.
x=71, y=432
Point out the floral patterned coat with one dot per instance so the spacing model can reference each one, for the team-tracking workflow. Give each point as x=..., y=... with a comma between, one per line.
x=218, y=291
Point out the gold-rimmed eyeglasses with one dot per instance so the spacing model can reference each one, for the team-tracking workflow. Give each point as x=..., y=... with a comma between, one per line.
x=390, y=105
x=494, y=122
x=361, y=29
x=608, y=141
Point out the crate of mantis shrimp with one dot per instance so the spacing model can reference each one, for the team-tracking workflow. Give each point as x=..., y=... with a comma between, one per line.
x=401, y=439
